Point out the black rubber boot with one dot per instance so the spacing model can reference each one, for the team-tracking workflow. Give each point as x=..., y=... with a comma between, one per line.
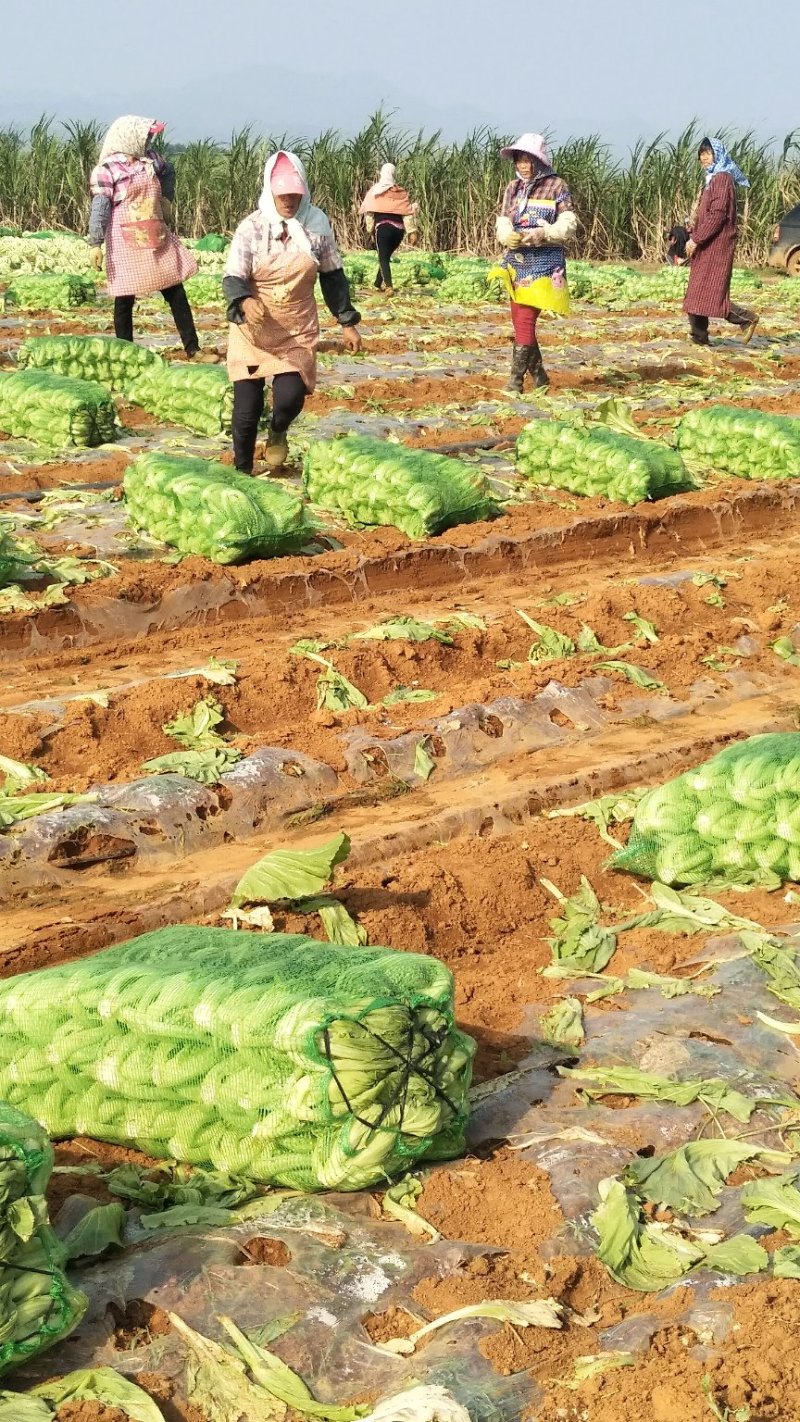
x=536, y=367
x=520, y=356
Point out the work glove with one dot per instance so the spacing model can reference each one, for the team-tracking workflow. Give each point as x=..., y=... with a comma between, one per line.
x=514, y=241
x=252, y=310
x=96, y=258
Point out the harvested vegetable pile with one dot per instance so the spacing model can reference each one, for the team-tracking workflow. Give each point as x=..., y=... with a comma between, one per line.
x=369, y=481
x=737, y=814
x=206, y=508
x=61, y=252
x=43, y=292
x=204, y=289
x=37, y=1305
x=745, y=443
x=593, y=460
x=55, y=410
x=280, y=1058
x=112, y=363
x=198, y=397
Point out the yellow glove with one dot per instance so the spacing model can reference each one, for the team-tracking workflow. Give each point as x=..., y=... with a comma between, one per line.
x=514, y=241
x=96, y=258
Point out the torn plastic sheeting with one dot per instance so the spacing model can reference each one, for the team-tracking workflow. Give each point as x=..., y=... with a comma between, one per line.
x=55, y=844
x=271, y=784
x=344, y=1265
x=169, y=815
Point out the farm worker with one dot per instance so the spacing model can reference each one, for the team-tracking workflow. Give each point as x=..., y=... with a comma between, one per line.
x=132, y=193
x=275, y=258
x=711, y=245
x=536, y=221
x=390, y=216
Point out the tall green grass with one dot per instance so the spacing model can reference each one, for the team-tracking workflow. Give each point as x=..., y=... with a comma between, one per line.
x=624, y=206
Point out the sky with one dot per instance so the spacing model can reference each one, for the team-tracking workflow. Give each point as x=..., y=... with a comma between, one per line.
x=622, y=69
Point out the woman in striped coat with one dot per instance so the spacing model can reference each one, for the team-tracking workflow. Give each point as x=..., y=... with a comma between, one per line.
x=711, y=247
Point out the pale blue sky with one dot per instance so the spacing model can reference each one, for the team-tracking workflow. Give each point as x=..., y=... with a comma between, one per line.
x=615, y=67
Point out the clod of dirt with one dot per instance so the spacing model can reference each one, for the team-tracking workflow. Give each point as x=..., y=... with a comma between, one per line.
x=138, y=1324
x=263, y=1250
x=393, y=1323
x=90, y=1412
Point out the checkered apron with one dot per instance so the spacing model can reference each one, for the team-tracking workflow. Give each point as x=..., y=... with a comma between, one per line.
x=142, y=255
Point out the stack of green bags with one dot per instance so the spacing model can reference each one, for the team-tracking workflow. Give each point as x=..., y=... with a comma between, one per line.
x=54, y=410
x=112, y=363
x=198, y=397
x=598, y=462
x=744, y=443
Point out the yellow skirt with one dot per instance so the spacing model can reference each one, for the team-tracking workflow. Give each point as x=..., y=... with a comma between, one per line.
x=541, y=293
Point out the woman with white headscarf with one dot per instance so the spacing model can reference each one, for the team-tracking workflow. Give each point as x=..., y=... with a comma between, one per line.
x=536, y=222
x=275, y=258
x=132, y=194
x=390, y=215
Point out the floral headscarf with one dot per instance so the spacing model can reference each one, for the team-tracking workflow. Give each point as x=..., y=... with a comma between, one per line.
x=723, y=163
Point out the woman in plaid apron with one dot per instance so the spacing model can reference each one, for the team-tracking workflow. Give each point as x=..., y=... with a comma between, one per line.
x=276, y=255
x=711, y=247
x=535, y=222
x=132, y=192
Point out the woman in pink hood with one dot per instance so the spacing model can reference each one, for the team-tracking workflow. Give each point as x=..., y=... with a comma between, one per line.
x=536, y=222
x=390, y=215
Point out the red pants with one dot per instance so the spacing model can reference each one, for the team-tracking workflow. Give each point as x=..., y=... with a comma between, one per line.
x=524, y=319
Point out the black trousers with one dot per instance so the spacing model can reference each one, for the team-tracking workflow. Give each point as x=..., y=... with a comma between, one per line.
x=288, y=398
x=387, y=241
x=737, y=316
x=178, y=303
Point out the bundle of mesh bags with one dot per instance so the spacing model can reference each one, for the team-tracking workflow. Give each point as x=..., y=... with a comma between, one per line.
x=112, y=363
x=199, y=397
x=738, y=813
x=55, y=410
x=60, y=253
x=369, y=481
x=280, y=1058
x=744, y=443
x=47, y=292
x=37, y=1305
x=598, y=462
x=203, y=289
x=202, y=507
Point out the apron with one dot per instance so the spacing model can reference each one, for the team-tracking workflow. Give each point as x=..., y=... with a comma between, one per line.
x=287, y=337
x=142, y=255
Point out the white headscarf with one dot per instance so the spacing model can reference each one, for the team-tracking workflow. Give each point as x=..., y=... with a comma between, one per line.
x=127, y=135
x=308, y=219
x=387, y=180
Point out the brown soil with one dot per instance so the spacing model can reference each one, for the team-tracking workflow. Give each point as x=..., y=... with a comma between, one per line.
x=138, y=1324
x=90, y=1412
x=100, y=469
x=261, y=1250
x=393, y=1323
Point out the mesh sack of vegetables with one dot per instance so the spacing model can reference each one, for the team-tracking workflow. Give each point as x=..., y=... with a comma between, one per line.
x=280, y=1058
x=372, y=482
x=204, y=290
x=206, y=508
x=596, y=461
x=199, y=397
x=111, y=362
x=745, y=443
x=737, y=814
x=46, y=292
x=37, y=1305
x=212, y=242
x=55, y=410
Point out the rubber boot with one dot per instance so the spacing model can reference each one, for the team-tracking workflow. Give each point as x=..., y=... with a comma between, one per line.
x=276, y=451
x=536, y=368
x=520, y=357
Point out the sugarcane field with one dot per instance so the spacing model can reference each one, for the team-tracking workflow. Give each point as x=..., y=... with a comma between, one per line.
x=399, y=778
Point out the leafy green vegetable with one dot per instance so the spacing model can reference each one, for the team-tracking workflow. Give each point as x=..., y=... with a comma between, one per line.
x=405, y=629
x=641, y=1256
x=551, y=645
x=424, y=763
x=739, y=1255
x=339, y=926
x=287, y=874
x=717, y=1095
x=278, y=1379
x=196, y=729
x=786, y=1262
x=334, y=691
x=187, y=1217
x=637, y=675
x=608, y=810
x=411, y=694
x=724, y=1414
x=400, y=1203
x=101, y=1385
x=774, y=1201
x=580, y=943
x=163, y=1186
x=14, y=1407
x=99, y=1230
x=204, y=766
x=643, y=627
x=217, y=1383
x=19, y=775
x=588, y=640
x=222, y=673
x=16, y=808
x=542, y=1313
x=683, y=911
x=689, y=1179
x=564, y=1023
x=593, y=1365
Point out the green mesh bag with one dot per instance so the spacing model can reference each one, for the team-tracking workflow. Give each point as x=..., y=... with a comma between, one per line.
x=54, y=410
x=205, y=289
x=291, y=1061
x=37, y=1305
x=744, y=443
x=598, y=462
x=369, y=481
x=112, y=363
x=199, y=397
x=738, y=813
x=46, y=291
x=201, y=507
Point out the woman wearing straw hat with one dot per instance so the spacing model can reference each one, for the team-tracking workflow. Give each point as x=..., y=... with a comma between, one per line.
x=390, y=215
x=275, y=258
x=536, y=221
x=132, y=191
